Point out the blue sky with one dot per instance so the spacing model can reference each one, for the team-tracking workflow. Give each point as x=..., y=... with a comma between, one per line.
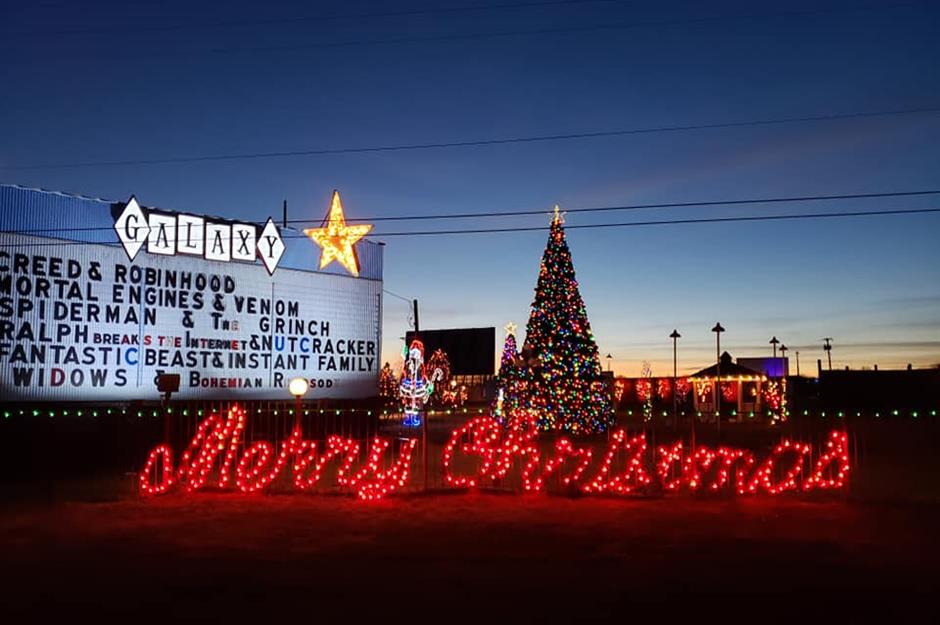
x=167, y=79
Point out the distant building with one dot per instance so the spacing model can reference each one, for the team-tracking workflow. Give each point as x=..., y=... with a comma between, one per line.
x=880, y=390
x=771, y=367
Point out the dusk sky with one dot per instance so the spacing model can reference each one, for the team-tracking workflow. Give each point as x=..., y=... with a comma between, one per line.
x=87, y=82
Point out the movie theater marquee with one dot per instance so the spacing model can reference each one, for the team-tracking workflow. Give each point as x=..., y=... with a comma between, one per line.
x=88, y=322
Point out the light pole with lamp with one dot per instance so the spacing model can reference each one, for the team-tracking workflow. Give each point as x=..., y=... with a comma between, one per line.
x=774, y=342
x=298, y=388
x=718, y=330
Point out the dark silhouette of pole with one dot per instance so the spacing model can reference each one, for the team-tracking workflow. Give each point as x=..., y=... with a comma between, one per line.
x=783, y=356
x=718, y=330
x=675, y=336
x=828, y=347
x=424, y=421
x=774, y=342
x=797, y=363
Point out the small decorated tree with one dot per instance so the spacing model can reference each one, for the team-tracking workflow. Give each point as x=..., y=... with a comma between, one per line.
x=512, y=380
x=388, y=385
x=438, y=370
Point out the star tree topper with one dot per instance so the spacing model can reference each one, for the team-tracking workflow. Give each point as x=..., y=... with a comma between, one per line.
x=338, y=240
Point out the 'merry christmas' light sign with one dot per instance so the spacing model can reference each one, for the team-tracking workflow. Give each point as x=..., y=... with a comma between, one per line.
x=493, y=451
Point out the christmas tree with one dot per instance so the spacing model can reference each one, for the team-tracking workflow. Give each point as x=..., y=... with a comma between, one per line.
x=562, y=368
x=388, y=385
x=511, y=381
x=438, y=369
x=510, y=351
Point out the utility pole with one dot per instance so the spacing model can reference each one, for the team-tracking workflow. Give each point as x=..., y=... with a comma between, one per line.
x=718, y=330
x=774, y=342
x=828, y=347
x=675, y=336
x=424, y=422
x=797, y=363
x=285, y=214
x=783, y=356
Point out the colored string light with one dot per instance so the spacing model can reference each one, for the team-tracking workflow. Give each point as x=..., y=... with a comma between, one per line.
x=493, y=451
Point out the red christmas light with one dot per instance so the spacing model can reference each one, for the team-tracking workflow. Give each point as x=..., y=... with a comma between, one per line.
x=160, y=461
x=634, y=475
x=837, y=452
x=498, y=450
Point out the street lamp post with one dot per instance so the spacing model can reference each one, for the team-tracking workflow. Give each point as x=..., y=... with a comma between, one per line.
x=774, y=342
x=675, y=336
x=298, y=388
x=718, y=330
x=783, y=356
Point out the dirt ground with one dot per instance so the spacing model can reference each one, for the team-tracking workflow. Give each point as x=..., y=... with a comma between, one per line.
x=458, y=557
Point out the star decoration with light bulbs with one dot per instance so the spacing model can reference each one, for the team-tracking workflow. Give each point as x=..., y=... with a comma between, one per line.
x=511, y=328
x=336, y=239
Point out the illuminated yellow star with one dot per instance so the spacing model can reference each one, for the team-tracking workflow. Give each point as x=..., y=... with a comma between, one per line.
x=337, y=239
x=511, y=328
x=558, y=216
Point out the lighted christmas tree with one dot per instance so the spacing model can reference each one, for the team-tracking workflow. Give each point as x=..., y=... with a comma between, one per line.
x=388, y=385
x=511, y=382
x=562, y=368
x=438, y=369
x=510, y=350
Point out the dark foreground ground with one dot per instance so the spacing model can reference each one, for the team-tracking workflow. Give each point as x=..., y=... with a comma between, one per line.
x=495, y=558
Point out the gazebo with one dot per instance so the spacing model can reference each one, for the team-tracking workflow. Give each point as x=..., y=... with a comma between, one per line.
x=740, y=388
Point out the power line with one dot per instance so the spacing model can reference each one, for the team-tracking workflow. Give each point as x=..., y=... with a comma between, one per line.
x=523, y=32
x=194, y=25
x=401, y=297
x=664, y=222
x=542, y=211
x=631, y=207
x=484, y=142
x=537, y=31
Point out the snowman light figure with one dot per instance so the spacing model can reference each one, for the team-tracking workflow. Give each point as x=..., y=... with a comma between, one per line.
x=416, y=387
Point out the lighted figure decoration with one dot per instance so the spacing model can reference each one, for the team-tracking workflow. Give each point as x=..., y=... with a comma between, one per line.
x=454, y=395
x=647, y=374
x=664, y=388
x=729, y=392
x=703, y=390
x=336, y=239
x=388, y=385
x=438, y=369
x=775, y=398
x=620, y=386
x=416, y=386
x=218, y=456
x=565, y=387
x=683, y=388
